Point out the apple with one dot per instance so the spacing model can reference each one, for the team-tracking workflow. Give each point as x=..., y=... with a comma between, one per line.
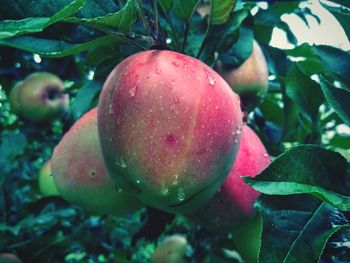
x=169, y=128
x=47, y=185
x=80, y=173
x=9, y=258
x=250, y=80
x=233, y=203
x=172, y=250
x=39, y=97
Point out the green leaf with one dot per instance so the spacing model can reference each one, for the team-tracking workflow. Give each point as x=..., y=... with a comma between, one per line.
x=315, y=234
x=296, y=228
x=338, y=98
x=84, y=98
x=222, y=37
x=307, y=169
x=340, y=141
x=184, y=9
x=55, y=48
x=20, y=9
x=305, y=92
x=67, y=11
x=242, y=49
x=10, y=28
x=220, y=11
x=123, y=20
x=338, y=61
x=12, y=144
x=166, y=4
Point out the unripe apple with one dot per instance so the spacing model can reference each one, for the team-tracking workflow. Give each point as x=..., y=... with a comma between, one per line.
x=13, y=98
x=250, y=80
x=9, y=258
x=47, y=185
x=169, y=129
x=80, y=173
x=233, y=202
x=171, y=250
x=39, y=97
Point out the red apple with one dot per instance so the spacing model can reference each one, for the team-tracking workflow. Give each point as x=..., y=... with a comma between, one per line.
x=80, y=173
x=39, y=97
x=171, y=250
x=169, y=129
x=233, y=202
x=250, y=80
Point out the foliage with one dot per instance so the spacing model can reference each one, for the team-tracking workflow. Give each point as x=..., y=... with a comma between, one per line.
x=306, y=190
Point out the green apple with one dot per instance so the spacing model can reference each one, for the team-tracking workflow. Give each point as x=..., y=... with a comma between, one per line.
x=47, y=185
x=80, y=174
x=39, y=97
x=250, y=80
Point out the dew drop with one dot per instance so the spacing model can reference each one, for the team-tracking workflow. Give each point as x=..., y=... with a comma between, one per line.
x=110, y=111
x=236, y=140
x=164, y=190
x=120, y=162
x=175, y=182
x=133, y=91
x=119, y=190
x=175, y=63
x=266, y=155
x=211, y=80
x=176, y=99
x=181, y=195
x=138, y=181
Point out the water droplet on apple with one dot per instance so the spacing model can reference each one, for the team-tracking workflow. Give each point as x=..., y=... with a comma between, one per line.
x=164, y=190
x=181, y=195
x=211, y=80
x=133, y=91
x=120, y=162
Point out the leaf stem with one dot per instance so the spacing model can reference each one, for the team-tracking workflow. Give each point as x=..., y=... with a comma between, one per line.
x=142, y=16
x=173, y=30
x=187, y=25
x=156, y=19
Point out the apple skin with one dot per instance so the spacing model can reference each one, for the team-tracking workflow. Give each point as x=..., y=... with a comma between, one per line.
x=80, y=173
x=168, y=129
x=250, y=80
x=39, y=97
x=233, y=203
x=9, y=258
x=171, y=250
x=47, y=185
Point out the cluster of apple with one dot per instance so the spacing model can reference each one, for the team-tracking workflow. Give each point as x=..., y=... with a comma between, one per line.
x=168, y=133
